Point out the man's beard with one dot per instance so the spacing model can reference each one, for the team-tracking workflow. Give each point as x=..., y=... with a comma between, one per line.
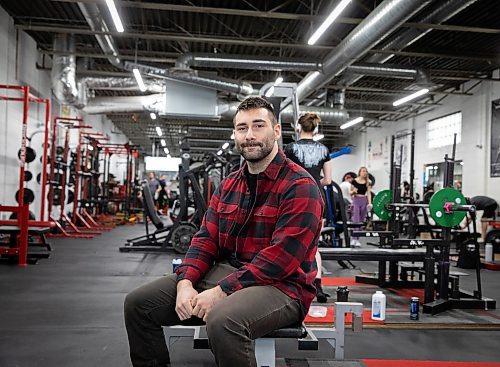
x=261, y=150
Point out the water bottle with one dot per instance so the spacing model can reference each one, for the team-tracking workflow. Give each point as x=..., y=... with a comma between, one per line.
x=488, y=252
x=378, y=306
x=342, y=294
x=175, y=264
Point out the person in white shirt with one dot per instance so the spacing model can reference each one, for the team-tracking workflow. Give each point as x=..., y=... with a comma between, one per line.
x=346, y=188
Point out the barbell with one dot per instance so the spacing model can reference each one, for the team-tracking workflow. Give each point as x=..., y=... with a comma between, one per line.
x=447, y=206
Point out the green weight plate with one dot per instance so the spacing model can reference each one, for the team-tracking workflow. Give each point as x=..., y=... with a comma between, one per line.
x=379, y=204
x=436, y=207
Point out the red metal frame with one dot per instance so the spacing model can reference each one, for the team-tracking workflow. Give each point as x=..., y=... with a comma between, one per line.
x=22, y=209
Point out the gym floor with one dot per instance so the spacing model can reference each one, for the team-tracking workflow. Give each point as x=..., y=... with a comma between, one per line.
x=67, y=311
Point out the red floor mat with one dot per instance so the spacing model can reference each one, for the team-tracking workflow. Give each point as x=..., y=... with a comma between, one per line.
x=409, y=363
x=330, y=316
x=335, y=282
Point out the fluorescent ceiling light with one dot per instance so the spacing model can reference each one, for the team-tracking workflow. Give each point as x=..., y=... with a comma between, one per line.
x=139, y=80
x=411, y=97
x=328, y=22
x=114, y=14
x=318, y=137
x=169, y=156
x=152, y=115
x=279, y=80
x=232, y=136
x=225, y=145
x=166, y=150
x=158, y=131
x=219, y=152
x=353, y=122
x=163, y=143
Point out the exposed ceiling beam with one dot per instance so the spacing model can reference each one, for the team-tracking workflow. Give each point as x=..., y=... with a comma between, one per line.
x=490, y=58
x=277, y=15
x=393, y=91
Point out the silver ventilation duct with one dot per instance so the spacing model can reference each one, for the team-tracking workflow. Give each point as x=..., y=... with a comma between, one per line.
x=388, y=70
x=188, y=60
x=328, y=115
x=442, y=11
x=152, y=103
x=63, y=73
x=192, y=77
x=388, y=16
x=127, y=84
x=93, y=16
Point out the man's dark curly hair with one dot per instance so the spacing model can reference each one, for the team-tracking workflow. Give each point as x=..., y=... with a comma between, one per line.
x=252, y=103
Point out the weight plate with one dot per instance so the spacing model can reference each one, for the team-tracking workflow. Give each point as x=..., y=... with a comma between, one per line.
x=59, y=150
x=379, y=204
x=28, y=176
x=30, y=154
x=181, y=237
x=28, y=196
x=436, y=207
x=31, y=215
x=372, y=179
x=71, y=197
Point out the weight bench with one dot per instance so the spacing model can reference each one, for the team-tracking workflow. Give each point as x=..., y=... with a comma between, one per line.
x=13, y=249
x=307, y=337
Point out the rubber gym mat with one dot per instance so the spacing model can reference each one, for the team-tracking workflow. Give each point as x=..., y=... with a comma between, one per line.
x=413, y=363
x=330, y=316
x=335, y=282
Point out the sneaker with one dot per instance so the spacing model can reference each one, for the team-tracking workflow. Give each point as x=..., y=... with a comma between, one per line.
x=355, y=244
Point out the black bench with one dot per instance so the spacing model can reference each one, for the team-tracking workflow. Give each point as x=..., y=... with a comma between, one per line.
x=44, y=248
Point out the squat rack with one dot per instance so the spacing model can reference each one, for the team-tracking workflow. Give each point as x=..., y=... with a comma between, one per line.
x=22, y=209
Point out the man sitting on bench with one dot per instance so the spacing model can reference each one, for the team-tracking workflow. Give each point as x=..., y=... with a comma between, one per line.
x=250, y=269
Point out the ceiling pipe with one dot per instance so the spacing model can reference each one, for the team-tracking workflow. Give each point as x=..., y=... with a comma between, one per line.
x=328, y=115
x=92, y=14
x=419, y=75
x=251, y=62
x=193, y=77
x=438, y=14
x=63, y=74
x=102, y=105
x=382, y=21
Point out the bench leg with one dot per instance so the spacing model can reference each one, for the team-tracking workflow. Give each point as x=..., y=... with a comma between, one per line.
x=265, y=352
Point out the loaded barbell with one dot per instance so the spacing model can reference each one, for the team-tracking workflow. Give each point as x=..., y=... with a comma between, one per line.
x=447, y=206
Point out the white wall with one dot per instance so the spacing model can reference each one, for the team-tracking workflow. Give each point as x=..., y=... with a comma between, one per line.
x=18, y=67
x=474, y=148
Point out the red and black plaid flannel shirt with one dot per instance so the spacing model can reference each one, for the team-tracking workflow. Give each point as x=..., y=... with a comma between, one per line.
x=274, y=241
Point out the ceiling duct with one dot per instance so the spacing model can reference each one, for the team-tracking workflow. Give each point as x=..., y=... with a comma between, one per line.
x=192, y=77
x=441, y=12
x=150, y=103
x=390, y=70
x=96, y=22
x=251, y=62
x=122, y=84
x=63, y=72
x=328, y=115
x=383, y=20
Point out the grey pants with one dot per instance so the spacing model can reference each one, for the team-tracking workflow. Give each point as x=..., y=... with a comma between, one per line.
x=232, y=324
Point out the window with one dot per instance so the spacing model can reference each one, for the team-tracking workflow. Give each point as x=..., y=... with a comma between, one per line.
x=440, y=131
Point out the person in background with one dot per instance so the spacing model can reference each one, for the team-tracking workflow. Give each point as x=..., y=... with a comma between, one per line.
x=489, y=207
x=314, y=157
x=405, y=191
x=250, y=268
x=361, y=200
x=347, y=189
x=153, y=183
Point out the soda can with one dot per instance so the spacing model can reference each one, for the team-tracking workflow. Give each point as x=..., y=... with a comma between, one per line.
x=414, y=308
x=175, y=264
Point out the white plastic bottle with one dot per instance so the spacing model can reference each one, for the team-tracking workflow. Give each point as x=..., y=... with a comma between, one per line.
x=488, y=252
x=378, y=306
